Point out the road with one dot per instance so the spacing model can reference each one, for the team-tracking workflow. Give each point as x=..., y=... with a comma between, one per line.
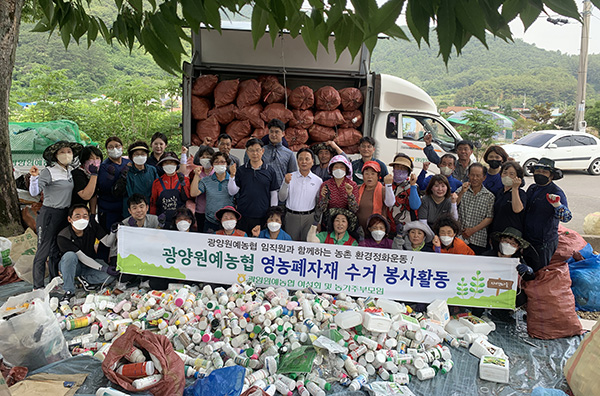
x=583, y=195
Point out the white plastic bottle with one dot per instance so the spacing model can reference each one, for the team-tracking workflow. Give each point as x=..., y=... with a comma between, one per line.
x=146, y=381
x=314, y=389
x=357, y=383
x=110, y=392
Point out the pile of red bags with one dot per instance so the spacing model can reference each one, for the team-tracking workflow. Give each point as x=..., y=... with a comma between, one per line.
x=242, y=109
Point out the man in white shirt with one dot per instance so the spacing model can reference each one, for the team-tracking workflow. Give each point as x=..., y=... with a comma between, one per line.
x=299, y=191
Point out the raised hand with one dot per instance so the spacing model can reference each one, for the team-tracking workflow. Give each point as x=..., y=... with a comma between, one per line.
x=256, y=231
x=524, y=269
x=348, y=188
x=324, y=191
x=207, y=141
x=288, y=178
x=428, y=138
x=34, y=171
x=436, y=241
x=388, y=179
x=465, y=187
x=454, y=198
x=413, y=179
x=93, y=169
x=516, y=183
x=553, y=199
x=184, y=150
x=232, y=169
x=426, y=165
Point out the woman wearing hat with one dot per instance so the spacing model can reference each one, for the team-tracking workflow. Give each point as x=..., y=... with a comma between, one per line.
x=229, y=217
x=56, y=182
x=341, y=221
x=407, y=201
x=324, y=152
x=372, y=196
x=169, y=191
x=416, y=236
x=339, y=191
x=378, y=229
x=546, y=206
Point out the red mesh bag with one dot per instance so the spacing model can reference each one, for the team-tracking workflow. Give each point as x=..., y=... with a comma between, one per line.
x=352, y=98
x=173, y=381
x=296, y=136
x=275, y=95
x=209, y=127
x=252, y=114
x=319, y=133
x=225, y=92
x=351, y=149
x=569, y=242
x=276, y=110
x=200, y=107
x=205, y=85
x=302, y=98
x=352, y=119
x=248, y=93
x=224, y=114
x=297, y=147
x=551, y=304
x=327, y=98
x=259, y=133
x=329, y=118
x=196, y=141
x=347, y=137
x=242, y=143
x=238, y=130
x=302, y=119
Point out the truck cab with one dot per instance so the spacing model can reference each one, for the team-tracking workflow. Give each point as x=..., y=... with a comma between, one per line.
x=396, y=113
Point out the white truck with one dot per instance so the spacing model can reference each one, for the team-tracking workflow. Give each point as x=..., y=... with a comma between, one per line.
x=396, y=113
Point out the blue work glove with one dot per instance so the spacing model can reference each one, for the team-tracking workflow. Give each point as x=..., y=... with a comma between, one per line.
x=111, y=271
x=111, y=169
x=93, y=169
x=132, y=222
x=524, y=269
x=162, y=219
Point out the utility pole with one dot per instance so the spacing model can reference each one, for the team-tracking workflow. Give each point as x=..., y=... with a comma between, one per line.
x=583, y=64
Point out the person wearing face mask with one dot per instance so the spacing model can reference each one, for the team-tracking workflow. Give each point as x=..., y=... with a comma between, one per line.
x=169, y=191
x=340, y=191
x=475, y=209
x=509, y=205
x=546, y=206
x=138, y=176
x=446, y=166
x=373, y=197
x=464, y=149
x=495, y=156
x=229, y=217
x=275, y=218
x=437, y=201
x=85, y=178
x=407, y=200
x=299, y=191
x=377, y=230
x=79, y=259
x=110, y=206
x=56, y=182
x=203, y=161
x=183, y=220
x=341, y=223
x=417, y=236
x=446, y=229
x=214, y=189
x=324, y=152
x=366, y=148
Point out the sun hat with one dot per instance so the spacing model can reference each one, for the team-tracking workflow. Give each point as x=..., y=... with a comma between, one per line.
x=168, y=156
x=547, y=164
x=50, y=152
x=511, y=233
x=219, y=214
x=419, y=225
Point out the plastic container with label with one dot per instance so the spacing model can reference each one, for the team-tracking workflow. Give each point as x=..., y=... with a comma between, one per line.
x=438, y=311
x=391, y=307
x=348, y=319
x=408, y=322
x=482, y=347
x=494, y=368
x=376, y=323
x=456, y=328
x=476, y=324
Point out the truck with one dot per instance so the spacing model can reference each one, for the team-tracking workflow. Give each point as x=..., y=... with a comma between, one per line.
x=396, y=113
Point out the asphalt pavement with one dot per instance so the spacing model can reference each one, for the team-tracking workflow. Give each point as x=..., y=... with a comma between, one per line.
x=583, y=195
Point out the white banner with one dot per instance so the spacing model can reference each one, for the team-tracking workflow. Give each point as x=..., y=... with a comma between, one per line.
x=473, y=281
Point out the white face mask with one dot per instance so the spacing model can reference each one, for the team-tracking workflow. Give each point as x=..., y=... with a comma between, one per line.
x=115, y=153
x=65, y=158
x=205, y=162
x=170, y=169
x=220, y=169
x=339, y=173
x=446, y=171
x=446, y=240
x=273, y=226
x=507, y=249
x=80, y=224
x=377, y=235
x=183, y=225
x=229, y=225
x=140, y=159
x=507, y=181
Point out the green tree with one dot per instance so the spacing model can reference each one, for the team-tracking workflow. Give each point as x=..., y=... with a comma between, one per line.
x=481, y=128
x=524, y=126
x=592, y=116
x=163, y=28
x=566, y=119
x=542, y=113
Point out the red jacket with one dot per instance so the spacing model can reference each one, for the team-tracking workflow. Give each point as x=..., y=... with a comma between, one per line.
x=170, y=182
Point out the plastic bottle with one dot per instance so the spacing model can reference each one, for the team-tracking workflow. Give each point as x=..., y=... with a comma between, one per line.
x=145, y=382
x=282, y=388
x=181, y=296
x=357, y=383
x=425, y=373
x=371, y=344
x=314, y=389
x=77, y=323
x=136, y=370
x=110, y=392
x=135, y=355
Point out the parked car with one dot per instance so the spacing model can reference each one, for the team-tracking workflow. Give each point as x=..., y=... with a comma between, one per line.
x=569, y=150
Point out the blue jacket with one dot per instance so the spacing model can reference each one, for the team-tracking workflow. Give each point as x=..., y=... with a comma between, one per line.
x=541, y=218
x=139, y=181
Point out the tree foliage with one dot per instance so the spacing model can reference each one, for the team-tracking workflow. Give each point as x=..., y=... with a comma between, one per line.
x=162, y=28
x=480, y=128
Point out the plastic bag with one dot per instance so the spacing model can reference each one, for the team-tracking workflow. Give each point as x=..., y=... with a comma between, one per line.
x=200, y=107
x=226, y=381
x=248, y=93
x=547, y=392
x=252, y=114
x=551, y=305
x=352, y=119
x=238, y=130
x=276, y=110
x=205, y=85
x=329, y=118
x=591, y=224
x=585, y=287
x=327, y=98
x=225, y=92
x=299, y=360
x=352, y=98
x=30, y=333
x=296, y=136
x=173, y=380
x=319, y=133
x=581, y=368
x=569, y=242
x=347, y=137
x=209, y=127
x=223, y=114
x=302, y=119
x=5, y=245
x=302, y=98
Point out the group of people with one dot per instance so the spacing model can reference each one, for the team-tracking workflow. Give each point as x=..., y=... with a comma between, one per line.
x=274, y=193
